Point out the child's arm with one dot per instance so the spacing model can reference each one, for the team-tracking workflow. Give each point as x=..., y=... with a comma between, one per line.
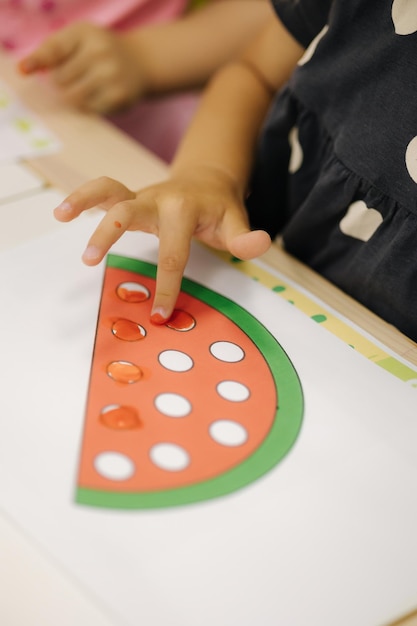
x=101, y=70
x=204, y=197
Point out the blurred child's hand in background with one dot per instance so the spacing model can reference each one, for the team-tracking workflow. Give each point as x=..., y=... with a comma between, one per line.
x=94, y=68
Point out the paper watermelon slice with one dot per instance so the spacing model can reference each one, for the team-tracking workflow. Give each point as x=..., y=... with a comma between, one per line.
x=190, y=410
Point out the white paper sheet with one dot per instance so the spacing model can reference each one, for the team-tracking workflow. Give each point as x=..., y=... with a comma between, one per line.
x=17, y=180
x=327, y=537
x=35, y=590
x=28, y=217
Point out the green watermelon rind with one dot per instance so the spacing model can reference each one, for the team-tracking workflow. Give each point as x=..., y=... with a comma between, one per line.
x=275, y=446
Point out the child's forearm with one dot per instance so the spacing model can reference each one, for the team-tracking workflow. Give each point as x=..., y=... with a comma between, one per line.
x=224, y=130
x=185, y=53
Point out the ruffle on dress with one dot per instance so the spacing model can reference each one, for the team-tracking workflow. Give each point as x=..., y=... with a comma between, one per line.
x=338, y=223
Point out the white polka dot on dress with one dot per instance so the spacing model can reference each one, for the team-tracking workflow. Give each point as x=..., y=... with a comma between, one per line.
x=411, y=159
x=296, y=159
x=404, y=16
x=313, y=45
x=360, y=221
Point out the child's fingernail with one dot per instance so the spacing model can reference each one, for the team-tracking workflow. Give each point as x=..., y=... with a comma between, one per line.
x=159, y=316
x=64, y=207
x=26, y=66
x=91, y=253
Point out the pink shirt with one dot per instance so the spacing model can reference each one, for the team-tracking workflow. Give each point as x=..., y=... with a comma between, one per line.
x=25, y=23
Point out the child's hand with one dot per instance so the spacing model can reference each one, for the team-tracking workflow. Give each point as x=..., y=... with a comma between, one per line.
x=204, y=204
x=94, y=68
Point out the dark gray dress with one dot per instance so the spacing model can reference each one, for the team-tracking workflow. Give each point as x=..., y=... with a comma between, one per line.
x=336, y=168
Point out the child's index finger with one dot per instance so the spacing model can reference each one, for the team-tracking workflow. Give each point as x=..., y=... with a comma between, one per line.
x=174, y=249
x=168, y=286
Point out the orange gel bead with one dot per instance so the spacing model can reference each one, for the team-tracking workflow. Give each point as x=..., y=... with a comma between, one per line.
x=128, y=330
x=132, y=295
x=120, y=418
x=124, y=372
x=180, y=320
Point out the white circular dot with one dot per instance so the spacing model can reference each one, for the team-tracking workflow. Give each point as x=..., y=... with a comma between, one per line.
x=170, y=457
x=233, y=391
x=228, y=433
x=175, y=360
x=172, y=404
x=129, y=289
x=227, y=351
x=114, y=465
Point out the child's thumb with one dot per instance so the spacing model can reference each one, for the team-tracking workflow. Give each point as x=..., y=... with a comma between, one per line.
x=249, y=244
